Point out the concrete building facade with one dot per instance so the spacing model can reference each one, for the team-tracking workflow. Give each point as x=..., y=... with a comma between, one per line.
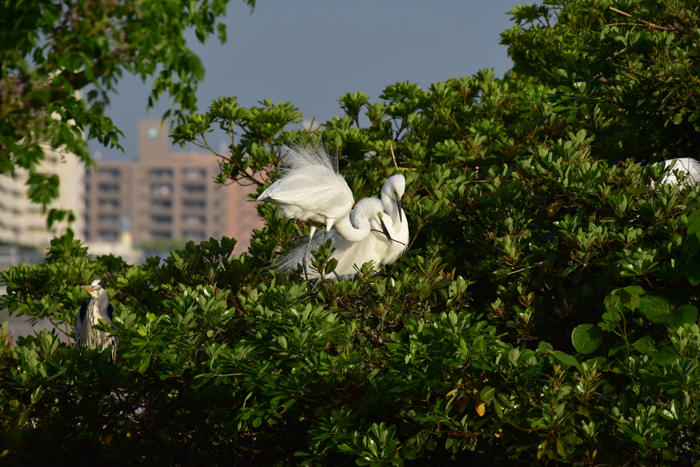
x=165, y=194
x=23, y=222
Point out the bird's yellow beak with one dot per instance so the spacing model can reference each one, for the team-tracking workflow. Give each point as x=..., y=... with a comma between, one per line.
x=89, y=288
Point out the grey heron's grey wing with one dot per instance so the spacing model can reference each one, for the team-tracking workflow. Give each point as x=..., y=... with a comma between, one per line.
x=110, y=311
x=80, y=319
x=83, y=311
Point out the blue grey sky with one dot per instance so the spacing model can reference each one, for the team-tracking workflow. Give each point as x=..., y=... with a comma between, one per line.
x=311, y=52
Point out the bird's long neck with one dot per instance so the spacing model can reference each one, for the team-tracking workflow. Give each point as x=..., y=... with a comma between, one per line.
x=392, y=209
x=97, y=309
x=93, y=312
x=350, y=232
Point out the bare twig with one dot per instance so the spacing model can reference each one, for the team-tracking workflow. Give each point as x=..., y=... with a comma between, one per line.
x=645, y=22
x=391, y=146
x=529, y=267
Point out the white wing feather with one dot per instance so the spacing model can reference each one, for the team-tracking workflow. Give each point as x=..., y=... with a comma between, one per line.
x=310, y=189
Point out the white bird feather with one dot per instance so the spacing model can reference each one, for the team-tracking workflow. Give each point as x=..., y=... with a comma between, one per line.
x=690, y=167
x=368, y=216
x=392, y=192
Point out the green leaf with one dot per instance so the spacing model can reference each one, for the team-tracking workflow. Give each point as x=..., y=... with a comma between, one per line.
x=586, y=338
x=544, y=347
x=655, y=308
x=330, y=266
x=372, y=445
x=692, y=270
x=36, y=394
x=487, y=393
x=566, y=359
x=694, y=232
x=561, y=449
x=629, y=296
x=144, y=363
x=23, y=417
x=497, y=408
x=618, y=346
x=686, y=314
x=645, y=345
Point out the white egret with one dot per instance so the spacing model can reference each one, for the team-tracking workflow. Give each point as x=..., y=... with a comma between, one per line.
x=93, y=309
x=367, y=216
x=311, y=189
x=691, y=167
x=392, y=192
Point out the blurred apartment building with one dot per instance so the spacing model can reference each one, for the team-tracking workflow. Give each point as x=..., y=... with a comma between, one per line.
x=164, y=194
x=21, y=221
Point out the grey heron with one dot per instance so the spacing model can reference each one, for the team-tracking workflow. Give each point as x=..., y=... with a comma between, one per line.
x=95, y=308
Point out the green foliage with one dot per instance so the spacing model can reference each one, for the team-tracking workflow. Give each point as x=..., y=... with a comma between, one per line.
x=544, y=313
x=258, y=129
x=165, y=244
x=50, y=51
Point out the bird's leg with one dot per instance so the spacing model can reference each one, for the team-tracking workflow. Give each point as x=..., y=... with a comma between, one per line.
x=337, y=276
x=306, y=254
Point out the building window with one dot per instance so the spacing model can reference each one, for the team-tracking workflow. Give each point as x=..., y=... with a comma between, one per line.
x=161, y=234
x=110, y=203
x=194, y=234
x=87, y=188
x=162, y=219
x=87, y=218
x=109, y=235
x=194, y=203
x=189, y=219
x=109, y=218
x=161, y=173
x=194, y=188
x=194, y=173
x=161, y=189
x=162, y=203
x=110, y=188
x=112, y=172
